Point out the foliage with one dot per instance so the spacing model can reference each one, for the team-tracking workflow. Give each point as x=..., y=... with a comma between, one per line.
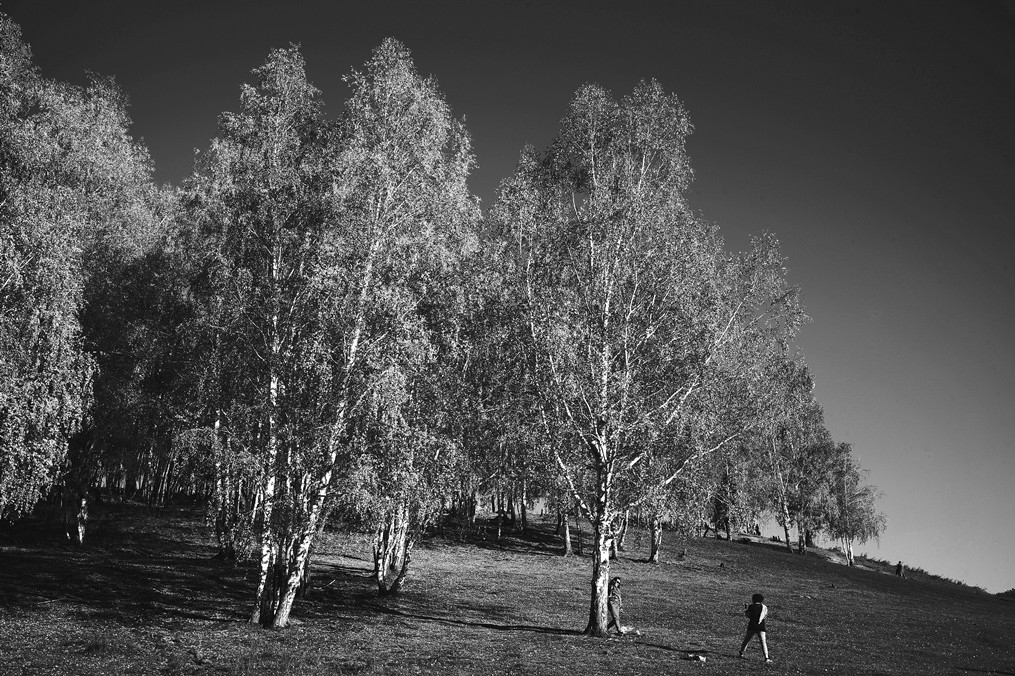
x=403, y=168
x=75, y=194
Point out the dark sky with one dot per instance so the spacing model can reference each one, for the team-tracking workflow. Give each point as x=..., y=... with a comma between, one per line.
x=877, y=140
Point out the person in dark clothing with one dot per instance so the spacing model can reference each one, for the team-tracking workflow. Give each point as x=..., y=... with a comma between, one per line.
x=615, y=602
x=756, y=613
x=900, y=570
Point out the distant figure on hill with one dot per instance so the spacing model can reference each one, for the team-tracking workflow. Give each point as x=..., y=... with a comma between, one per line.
x=498, y=524
x=756, y=613
x=900, y=570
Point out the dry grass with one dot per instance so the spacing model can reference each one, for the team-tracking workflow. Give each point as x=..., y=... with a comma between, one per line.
x=146, y=597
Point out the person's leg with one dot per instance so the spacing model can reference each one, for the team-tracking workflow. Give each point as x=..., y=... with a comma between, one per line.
x=747, y=639
x=614, y=618
x=764, y=643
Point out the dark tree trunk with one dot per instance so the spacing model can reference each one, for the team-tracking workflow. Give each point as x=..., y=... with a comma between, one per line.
x=523, y=509
x=441, y=514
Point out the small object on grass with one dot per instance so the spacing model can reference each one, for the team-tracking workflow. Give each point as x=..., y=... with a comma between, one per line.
x=695, y=658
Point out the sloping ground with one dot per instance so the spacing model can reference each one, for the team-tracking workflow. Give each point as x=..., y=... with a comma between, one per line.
x=146, y=597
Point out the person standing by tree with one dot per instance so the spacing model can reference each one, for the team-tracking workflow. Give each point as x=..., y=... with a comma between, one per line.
x=756, y=613
x=615, y=603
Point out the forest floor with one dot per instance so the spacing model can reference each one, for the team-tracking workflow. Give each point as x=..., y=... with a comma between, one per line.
x=146, y=596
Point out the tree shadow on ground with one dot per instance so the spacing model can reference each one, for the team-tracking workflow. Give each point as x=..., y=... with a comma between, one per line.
x=533, y=540
x=139, y=570
x=686, y=652
x=157, y=567
x=485, y=625
x=338, y=592
x=347, y=592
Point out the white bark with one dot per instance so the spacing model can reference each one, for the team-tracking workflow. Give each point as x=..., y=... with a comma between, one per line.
x=598, y=610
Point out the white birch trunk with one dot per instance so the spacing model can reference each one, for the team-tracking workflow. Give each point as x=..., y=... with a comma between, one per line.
x=656, y=539
x=598, y=611
x=783, y=500
x=303, y=544
x=268, y=543
x=392, y=551
x=601, y=536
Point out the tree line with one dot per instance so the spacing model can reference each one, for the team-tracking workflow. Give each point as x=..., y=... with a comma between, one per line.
x=320, y=326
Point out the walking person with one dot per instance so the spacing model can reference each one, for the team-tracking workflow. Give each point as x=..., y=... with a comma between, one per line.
x=756, y=613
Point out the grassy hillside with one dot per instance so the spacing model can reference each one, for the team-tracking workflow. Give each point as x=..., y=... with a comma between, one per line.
x=146, y=597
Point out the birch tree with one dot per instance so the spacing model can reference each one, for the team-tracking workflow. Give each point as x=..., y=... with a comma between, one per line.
x=853, y=516
x=637, y=316
x=405, y=162
x=263, y=197
x=336, y=250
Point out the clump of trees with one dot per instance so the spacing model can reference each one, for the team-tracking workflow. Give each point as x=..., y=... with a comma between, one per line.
x=332, y=306
x=76, y=201
x=320, y=324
